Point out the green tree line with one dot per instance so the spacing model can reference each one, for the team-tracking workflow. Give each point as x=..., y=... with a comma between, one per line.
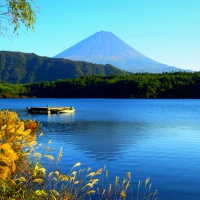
x=139, y=85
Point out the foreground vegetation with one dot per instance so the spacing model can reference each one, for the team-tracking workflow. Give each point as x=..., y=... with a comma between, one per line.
x=140, y=85
x=22, y=175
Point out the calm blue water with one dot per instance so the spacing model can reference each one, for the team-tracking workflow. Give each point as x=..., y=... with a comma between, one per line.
x=159, y=139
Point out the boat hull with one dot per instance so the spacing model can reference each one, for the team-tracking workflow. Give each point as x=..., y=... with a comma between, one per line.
x=66, y=111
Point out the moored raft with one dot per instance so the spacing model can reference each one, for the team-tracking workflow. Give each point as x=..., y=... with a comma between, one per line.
x=50, y=110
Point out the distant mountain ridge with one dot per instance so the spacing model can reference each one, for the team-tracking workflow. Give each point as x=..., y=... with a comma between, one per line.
x=18, y=67
x=106, y=48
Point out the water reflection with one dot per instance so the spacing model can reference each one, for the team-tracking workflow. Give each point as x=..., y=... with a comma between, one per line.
x=102, y=140
x=61, y=118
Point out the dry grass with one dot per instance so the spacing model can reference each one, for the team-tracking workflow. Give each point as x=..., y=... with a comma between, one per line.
x=22, y=175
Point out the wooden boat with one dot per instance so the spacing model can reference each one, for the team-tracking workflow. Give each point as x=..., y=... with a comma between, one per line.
x=50, y=110
x=67, y=110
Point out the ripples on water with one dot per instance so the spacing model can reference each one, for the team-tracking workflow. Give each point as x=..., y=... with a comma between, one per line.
x=150, y=138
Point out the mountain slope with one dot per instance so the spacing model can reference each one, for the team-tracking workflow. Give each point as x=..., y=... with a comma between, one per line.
x=17, y=67
x=106, y=48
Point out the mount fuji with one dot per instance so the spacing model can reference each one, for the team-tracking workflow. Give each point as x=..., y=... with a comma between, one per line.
x=105, y=48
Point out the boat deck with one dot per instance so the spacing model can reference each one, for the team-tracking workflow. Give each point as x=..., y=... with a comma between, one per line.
x=50, y=110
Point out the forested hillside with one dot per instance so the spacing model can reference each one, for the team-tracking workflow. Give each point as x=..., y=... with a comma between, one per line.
x=17, y=67
x=141, y=85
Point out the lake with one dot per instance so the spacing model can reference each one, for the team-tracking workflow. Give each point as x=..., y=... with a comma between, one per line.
x=159, y=139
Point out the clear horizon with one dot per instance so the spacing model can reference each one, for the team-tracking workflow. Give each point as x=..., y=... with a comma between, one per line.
x=167, y=32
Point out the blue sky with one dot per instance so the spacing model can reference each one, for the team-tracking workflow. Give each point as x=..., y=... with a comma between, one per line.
x=166, y=31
